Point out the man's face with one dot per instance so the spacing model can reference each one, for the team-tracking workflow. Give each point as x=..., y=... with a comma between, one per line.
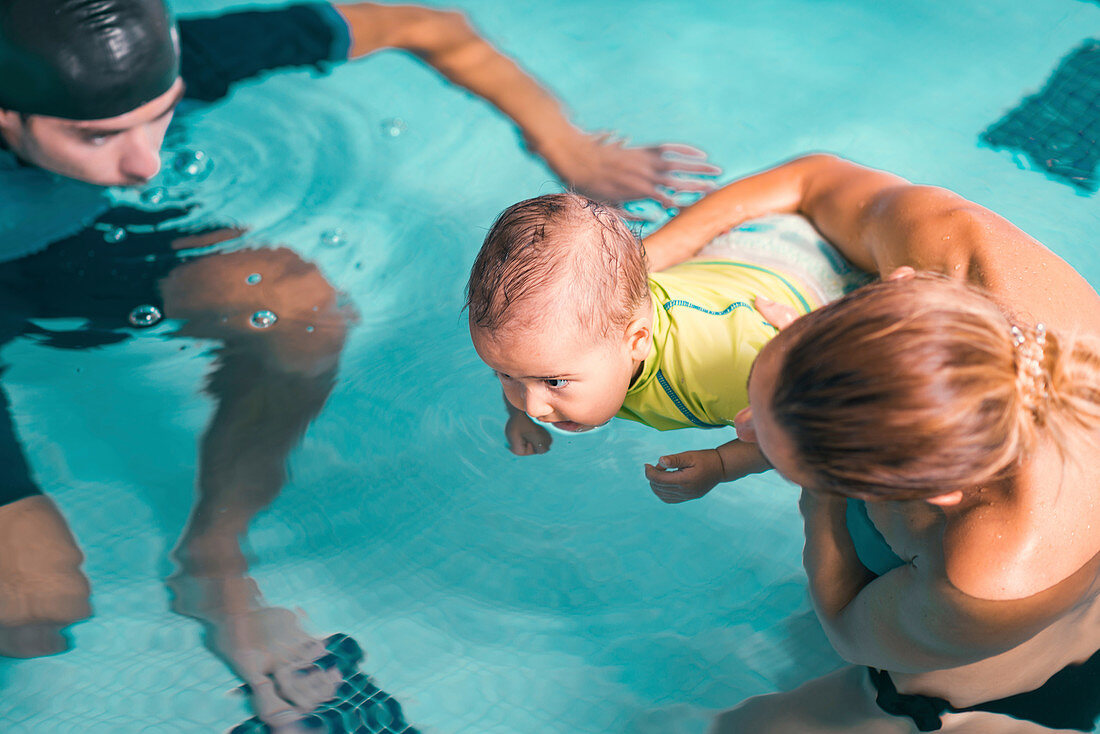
x=567, y=378
x=118, y=151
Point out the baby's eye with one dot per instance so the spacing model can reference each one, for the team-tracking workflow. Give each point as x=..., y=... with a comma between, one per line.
x=557, y=382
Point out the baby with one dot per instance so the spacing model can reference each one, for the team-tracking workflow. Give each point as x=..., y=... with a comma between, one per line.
x=562, y=308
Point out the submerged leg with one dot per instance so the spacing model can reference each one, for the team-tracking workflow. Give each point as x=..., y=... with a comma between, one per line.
x=272, y=376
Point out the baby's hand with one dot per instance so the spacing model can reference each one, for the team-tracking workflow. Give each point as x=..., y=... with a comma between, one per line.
x=525, y=437
x=685, y=476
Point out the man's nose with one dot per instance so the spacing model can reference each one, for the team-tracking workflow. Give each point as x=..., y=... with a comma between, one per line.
x=140, y=155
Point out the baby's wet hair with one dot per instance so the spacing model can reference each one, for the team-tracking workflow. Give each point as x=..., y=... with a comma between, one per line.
x=563, y=255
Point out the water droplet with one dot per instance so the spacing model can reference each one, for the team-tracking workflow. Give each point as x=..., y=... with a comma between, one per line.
x=145, y=315
x=253, y=279
x=155, y=195
x=393, y=127
x=191, y=163
x=334, y=238
x=263, y=319
x=115, y=234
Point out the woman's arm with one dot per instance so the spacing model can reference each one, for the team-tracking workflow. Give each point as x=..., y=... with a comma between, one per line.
x=596, y=165
x=775, y=191
x=912, y=619
x=881, y=222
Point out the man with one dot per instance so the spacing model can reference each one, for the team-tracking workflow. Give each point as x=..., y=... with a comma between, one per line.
x=88, y=89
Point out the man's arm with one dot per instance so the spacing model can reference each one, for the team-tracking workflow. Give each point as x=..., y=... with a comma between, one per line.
x=595, y=165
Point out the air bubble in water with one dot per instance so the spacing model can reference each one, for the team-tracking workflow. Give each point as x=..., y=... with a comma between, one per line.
x=155, y=195
x=334, y=238
x=114, y=234
x=393, y=127
x=253, y=279
x=145, y=315
x=191, y=163
x=263, y=319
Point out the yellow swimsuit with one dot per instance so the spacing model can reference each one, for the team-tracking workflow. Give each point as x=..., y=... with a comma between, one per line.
x=706, y=335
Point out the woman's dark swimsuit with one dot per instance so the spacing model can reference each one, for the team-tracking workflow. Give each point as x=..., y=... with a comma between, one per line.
x=1070, y=699
x=82, y=276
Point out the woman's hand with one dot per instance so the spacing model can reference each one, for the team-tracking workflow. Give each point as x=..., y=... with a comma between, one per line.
x=778, y=315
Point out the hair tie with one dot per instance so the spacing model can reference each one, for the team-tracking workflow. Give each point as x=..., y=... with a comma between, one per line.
x=1030, y=376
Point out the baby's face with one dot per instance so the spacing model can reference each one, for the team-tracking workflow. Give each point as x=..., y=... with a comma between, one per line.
x=561, y=376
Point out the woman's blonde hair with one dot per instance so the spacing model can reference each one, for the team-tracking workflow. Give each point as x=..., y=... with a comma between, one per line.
x=921, y=386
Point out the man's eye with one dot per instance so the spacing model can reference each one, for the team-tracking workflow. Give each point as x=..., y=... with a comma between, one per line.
x=557, y=382
x=97, y=139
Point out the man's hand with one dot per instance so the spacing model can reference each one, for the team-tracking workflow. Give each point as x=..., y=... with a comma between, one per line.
x=607, y=170
x=525, y=437
x=685, y=476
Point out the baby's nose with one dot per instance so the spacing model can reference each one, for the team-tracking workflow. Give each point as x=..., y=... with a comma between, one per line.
x=535, y=405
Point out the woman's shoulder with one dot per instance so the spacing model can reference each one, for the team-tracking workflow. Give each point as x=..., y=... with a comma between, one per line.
x=1046, y=533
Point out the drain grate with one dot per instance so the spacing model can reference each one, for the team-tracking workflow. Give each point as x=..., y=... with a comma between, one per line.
x=1059, y=128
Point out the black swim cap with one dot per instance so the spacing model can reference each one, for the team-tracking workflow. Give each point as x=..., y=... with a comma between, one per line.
x=85, y=59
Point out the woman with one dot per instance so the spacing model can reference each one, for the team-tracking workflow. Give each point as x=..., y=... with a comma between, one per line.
x=965, y=407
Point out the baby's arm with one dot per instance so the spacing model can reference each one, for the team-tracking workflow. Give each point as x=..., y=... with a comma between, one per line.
x=691, y=474
x=525, y=437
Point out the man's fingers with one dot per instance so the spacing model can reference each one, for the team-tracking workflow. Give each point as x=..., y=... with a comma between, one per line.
x=670, y=165
x=630, y=216
x=680, y=149
x=686, y=184
x=663, y=199
x=305, y=688
x=269, y=707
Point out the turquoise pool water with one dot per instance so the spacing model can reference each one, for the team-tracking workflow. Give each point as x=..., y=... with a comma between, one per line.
x=493, y=593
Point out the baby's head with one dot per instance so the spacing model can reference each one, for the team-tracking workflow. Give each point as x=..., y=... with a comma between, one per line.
x=560, y=309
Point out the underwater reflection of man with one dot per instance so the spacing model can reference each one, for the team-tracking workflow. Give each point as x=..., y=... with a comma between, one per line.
x=87, y=90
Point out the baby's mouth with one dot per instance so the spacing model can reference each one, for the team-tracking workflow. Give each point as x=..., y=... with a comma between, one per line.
x=571, y=426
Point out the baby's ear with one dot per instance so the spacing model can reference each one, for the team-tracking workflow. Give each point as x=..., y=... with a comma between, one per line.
x=639, y=338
